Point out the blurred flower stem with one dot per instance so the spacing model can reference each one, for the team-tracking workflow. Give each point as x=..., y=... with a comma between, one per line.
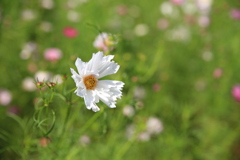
x=91, y=120
x=155, y=64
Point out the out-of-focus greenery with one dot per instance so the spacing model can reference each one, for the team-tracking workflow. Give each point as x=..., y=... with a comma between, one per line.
x=199, y=116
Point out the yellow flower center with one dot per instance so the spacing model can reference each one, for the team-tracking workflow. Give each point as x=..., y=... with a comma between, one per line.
x=90, y=82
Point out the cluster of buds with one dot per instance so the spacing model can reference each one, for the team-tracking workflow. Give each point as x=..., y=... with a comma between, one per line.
x=51, y=85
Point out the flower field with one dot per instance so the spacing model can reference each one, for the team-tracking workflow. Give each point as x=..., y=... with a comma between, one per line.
x=84, y=79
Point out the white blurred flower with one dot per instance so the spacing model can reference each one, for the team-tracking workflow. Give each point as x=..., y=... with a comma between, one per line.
x=71, y=4
x=207, y=56
x=139, y=92
x=200, y=85
x=105, y=42
x=73, y=16
x=204, y=6
x=189, y=7
x=168, y=9
x=5, y=97
x=130, y=131
x=28, y=14
x=90, y=87
x=75, y=3
x=42, y=76
x=128, y=111
x=28, y=50
x=141, y=30
x=154, y=125
x=47, y=4
x=144, y=136
x=46, y=26
x=181, y=33
x=28, y=84
x=58, y=79
x=84, y=140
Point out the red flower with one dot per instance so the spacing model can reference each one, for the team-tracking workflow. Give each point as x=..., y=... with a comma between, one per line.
x=70, y=32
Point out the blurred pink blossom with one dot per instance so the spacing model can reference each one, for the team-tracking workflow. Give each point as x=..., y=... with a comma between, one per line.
x=70, y=32
x=5, y=97
x=236, y=92
x=203, y=21
x=162, y=23
x=105, y=42
x=235, y=14
x=122, y=10
x=156, y=87
x=217, y=73
x=84, y=140
x=13, y=110
x=144, y=136
x=52, y=54
x=177, y=2
x=44, y=142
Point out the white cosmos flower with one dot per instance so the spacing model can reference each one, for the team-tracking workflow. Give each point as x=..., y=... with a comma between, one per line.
x=90, y=87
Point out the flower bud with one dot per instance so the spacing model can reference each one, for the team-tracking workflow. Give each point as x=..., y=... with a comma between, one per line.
x=40, y=84
x=44, y=141
x=51, y=85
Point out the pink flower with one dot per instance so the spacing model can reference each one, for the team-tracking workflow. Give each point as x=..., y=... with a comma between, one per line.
x=162, y=23
x=236, y=92
x=217, y=73
x=235, y=14
x=13, y=110
x=70, y=32
x=5, y=97
x=203, y=21
x=156, y=87
x=122, y=10
x=177, y=2
x=52, y=54
x=105, y=42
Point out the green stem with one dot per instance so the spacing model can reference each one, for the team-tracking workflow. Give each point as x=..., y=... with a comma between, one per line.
x=125, y=148
x=91, y=120
x=154, y=65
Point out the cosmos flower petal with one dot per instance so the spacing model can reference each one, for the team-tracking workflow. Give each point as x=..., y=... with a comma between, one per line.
x=110, y=83
x=89, y=99
x=107, y=99
x=80, y=65
x=95, y=108
x=108, y=58
x=94, y=64
x=108, y=68
x=80, y=92
x=75, y=76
